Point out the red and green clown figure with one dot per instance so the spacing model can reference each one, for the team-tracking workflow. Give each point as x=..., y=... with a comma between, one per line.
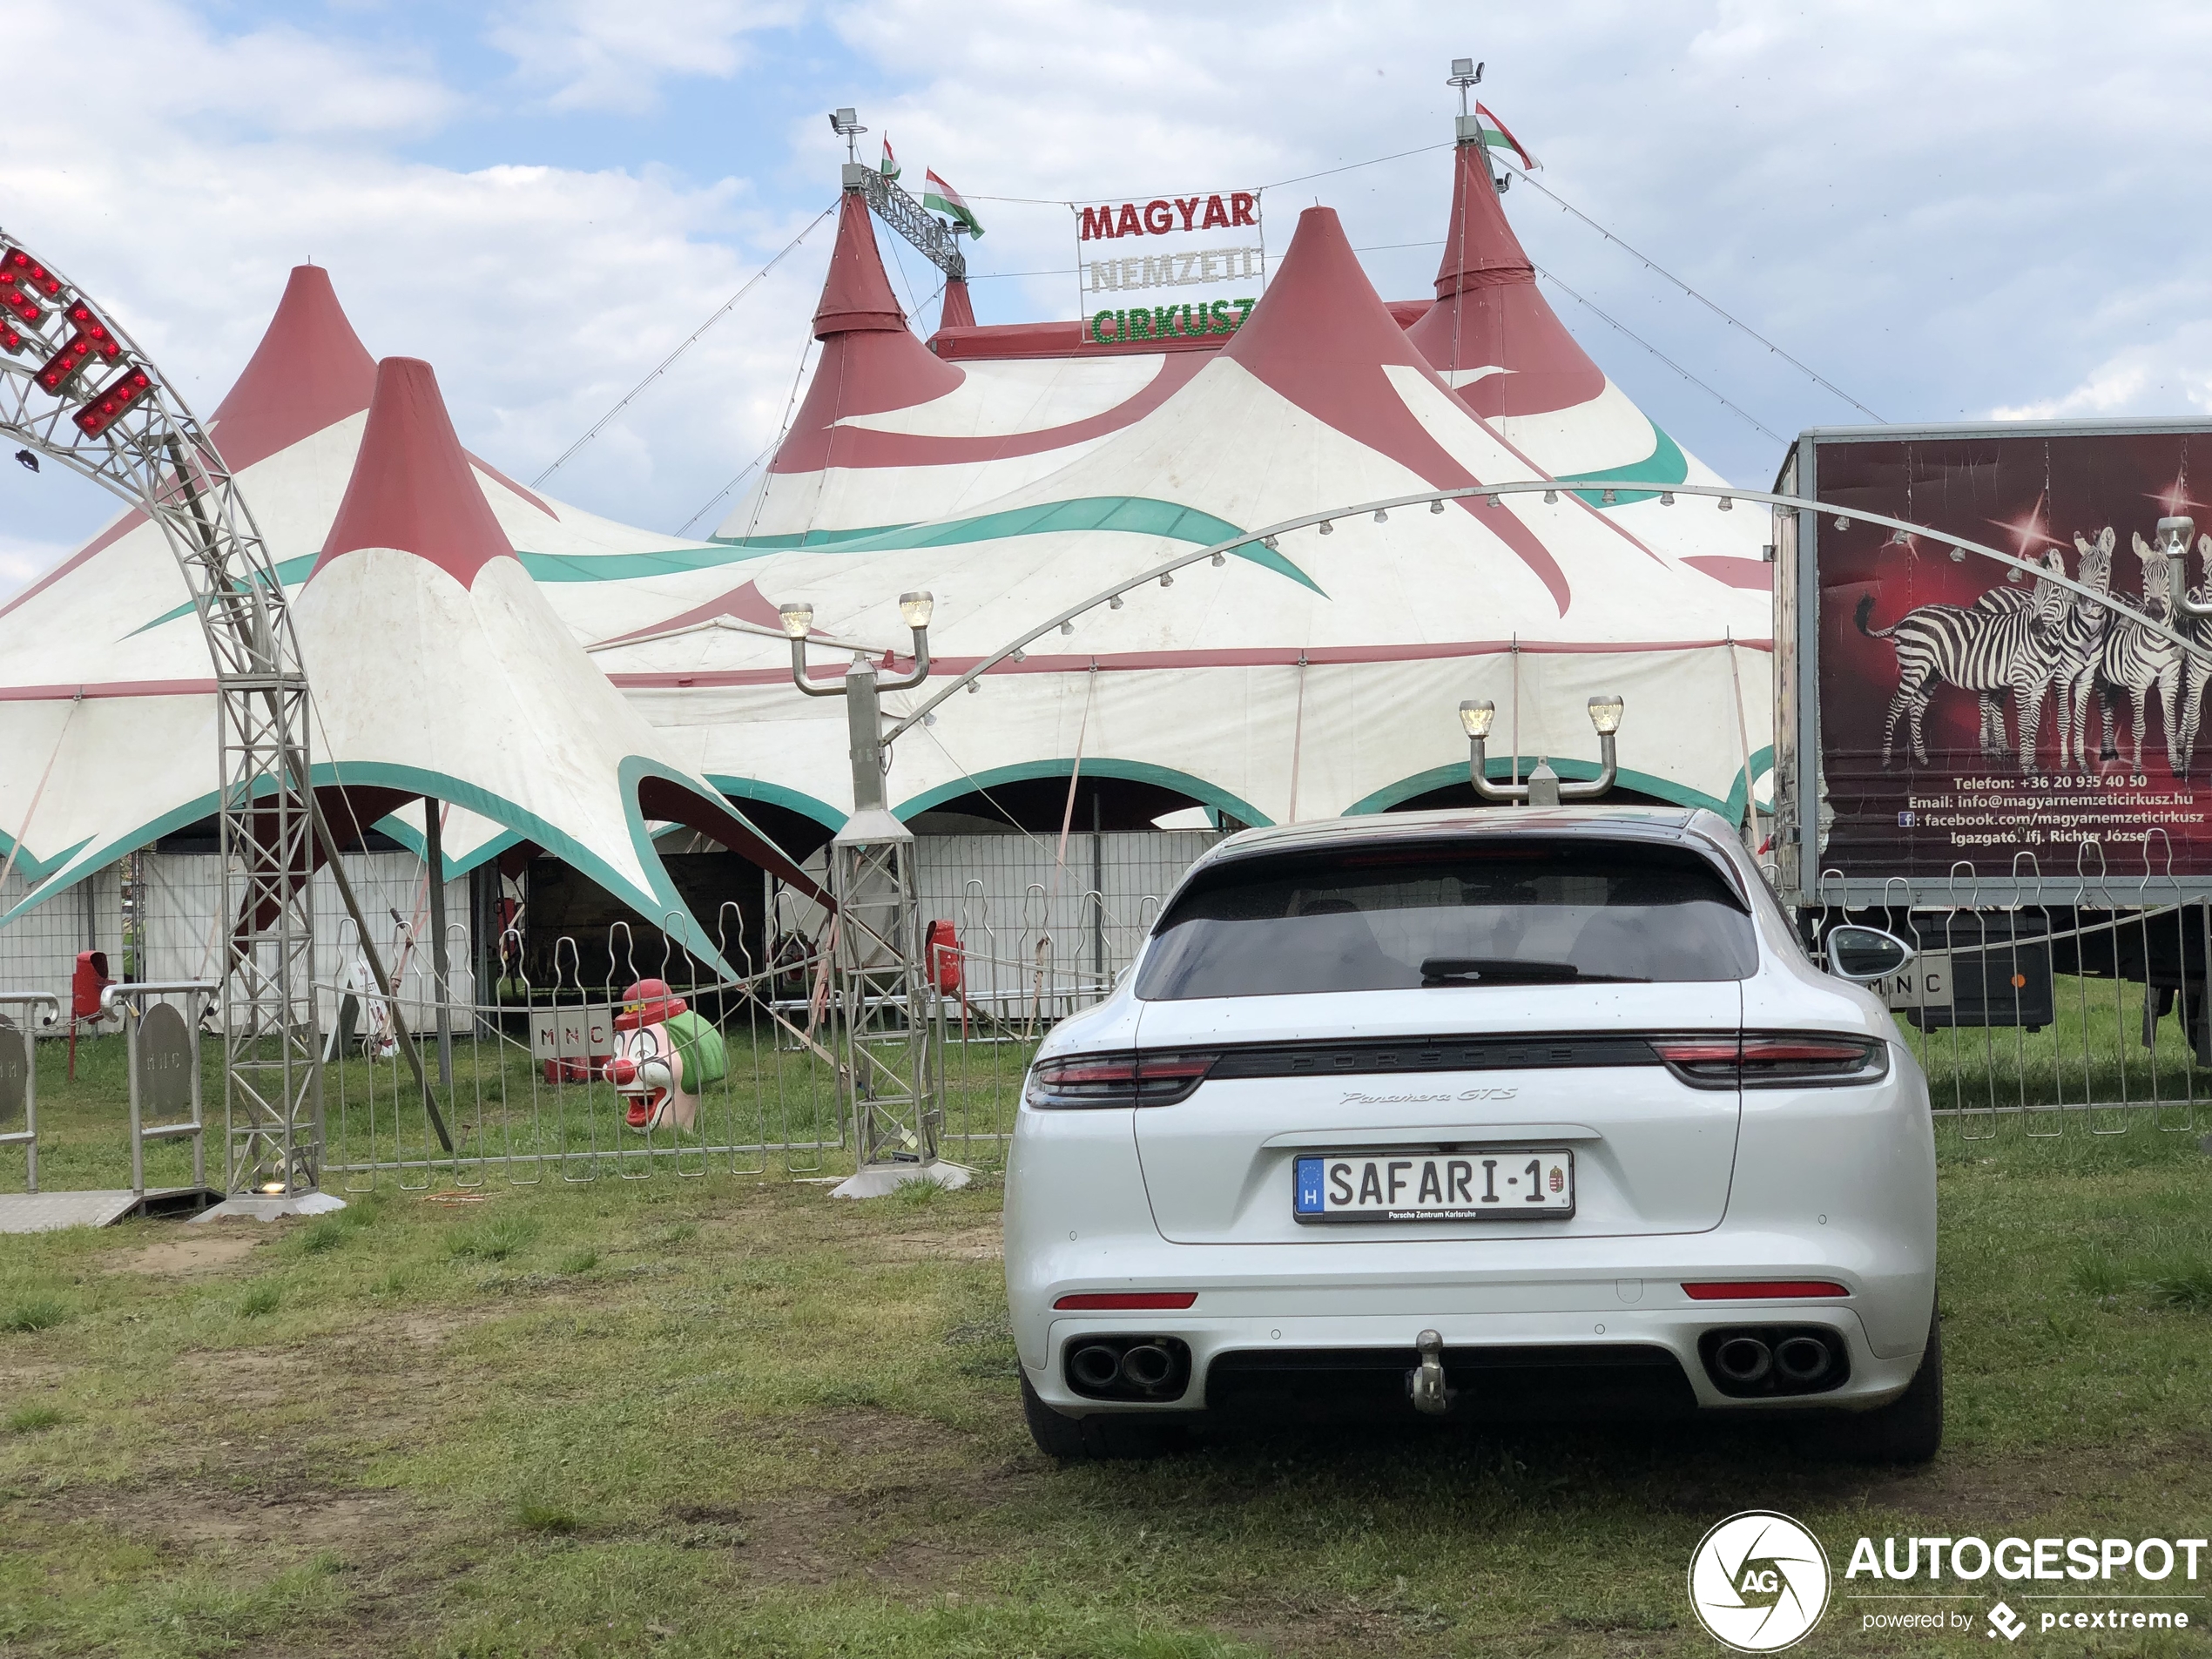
x=664, y=1055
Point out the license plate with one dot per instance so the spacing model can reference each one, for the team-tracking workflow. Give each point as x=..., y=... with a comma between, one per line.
x=1496, y=1185
x=1925, y=983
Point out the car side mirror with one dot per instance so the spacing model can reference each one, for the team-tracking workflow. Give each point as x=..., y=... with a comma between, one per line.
x=1863, y=954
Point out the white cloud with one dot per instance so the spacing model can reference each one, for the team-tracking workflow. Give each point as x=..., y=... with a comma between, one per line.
x=540, y=294
x=2169, y=376
x=159, y=65
x=588, y=55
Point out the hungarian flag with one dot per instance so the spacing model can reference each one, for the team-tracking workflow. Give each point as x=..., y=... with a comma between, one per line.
x=1496, y=137
x=890, y=167
x=940, y=198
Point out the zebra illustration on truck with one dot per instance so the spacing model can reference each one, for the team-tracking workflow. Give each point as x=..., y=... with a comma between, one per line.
x=2198, y=669
x=2006, y=647
x=2058, y=646
x=2136, y=661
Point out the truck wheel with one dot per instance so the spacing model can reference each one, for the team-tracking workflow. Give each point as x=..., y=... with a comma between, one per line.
x=1910, y=1428
x=1095, y=1438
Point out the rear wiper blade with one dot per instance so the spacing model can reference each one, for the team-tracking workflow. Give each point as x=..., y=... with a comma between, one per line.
x=1506, y=970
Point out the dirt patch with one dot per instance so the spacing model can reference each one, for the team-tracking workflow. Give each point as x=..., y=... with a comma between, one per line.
x=907, y=1532
x=979, y=1244
x=907, y=1536
x=313, y=1521
x=427, y=1330
x=24, y=1375
x=854, y=1434
x=287, y=1522
x=200, y=1252
x=249, y=1375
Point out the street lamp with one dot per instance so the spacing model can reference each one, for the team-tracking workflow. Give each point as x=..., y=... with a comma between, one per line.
x=2173, y=537
x=861, y=691
x=883, y=993
x=1543, y=787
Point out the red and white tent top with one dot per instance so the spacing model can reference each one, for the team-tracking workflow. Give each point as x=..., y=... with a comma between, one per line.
x=438, y=669
x=1316, y=678
x=107, y=713
x=890, y=425
x=891, y=432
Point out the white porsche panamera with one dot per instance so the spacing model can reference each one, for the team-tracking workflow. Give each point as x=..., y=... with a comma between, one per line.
x=1487, y=1114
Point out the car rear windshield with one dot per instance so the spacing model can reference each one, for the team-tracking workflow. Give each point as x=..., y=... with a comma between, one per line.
x=1453, y=915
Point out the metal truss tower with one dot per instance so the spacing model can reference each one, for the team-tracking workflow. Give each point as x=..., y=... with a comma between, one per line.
x=75, y=389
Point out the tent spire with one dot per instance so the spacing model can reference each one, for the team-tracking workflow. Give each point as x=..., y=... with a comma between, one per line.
x=856, y=295
x=870, y=360
x=1322, y=338
x=958, y=312
x=412, y=488
x=310, y=371
x=1491, y=333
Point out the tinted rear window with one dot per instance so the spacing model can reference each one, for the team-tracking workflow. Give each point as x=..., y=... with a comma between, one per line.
x=1464, y=916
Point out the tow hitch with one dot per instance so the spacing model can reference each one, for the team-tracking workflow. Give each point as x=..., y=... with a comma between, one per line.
x=1425, y=1382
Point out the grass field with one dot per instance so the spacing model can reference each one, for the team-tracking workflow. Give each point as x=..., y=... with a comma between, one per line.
x=725, y=1415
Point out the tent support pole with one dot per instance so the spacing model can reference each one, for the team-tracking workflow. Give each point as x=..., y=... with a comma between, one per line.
x=434, y=854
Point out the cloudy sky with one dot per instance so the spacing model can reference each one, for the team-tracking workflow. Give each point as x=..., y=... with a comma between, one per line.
x=1952, y=211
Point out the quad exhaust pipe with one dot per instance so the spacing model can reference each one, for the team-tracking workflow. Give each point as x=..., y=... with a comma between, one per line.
x=1802, y=1359
x=1129, y=1368
x=1775, y=1360
x=1096, y=1367
x=1745, y=1360
x=1147, y=1366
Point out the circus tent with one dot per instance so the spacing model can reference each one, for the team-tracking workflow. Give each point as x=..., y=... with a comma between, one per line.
x=107, y=713
x=1299, y=681
x=439, y=670
x=1014, y=473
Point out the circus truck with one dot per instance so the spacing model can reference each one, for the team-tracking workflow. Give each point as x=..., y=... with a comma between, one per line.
x=2009, y=759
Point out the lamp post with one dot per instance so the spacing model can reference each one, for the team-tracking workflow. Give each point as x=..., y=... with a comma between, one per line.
x=1543, y=787
x=2174, y=535
x=883, y=991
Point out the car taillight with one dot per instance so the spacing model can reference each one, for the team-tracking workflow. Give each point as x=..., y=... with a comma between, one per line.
x=1773, y=1060
x=1120, y=1301
x=1761, y=1289
x=1120, y=1079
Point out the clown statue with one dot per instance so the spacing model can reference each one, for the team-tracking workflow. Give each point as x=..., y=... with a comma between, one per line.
x=665, y=1055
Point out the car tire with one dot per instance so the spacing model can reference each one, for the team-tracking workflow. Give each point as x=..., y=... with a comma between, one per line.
x=1094, y=1439
x=1910, y=1428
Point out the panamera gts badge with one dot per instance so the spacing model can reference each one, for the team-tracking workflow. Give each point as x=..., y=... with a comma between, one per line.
x=1354, y=1097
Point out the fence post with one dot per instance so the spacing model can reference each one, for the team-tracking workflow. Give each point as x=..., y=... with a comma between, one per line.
x=132, y=998
x=27, y=1136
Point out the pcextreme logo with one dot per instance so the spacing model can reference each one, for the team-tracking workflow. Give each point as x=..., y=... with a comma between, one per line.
x=1758, y=1582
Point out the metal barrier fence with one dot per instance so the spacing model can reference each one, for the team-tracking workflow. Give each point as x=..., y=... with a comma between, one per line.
x=528, y=1085
x=2074, y=1003
x=161, y=1029
x=535, y=1083
x=19, y=1073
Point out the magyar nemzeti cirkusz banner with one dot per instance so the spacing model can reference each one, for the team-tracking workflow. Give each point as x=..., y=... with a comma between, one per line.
x=1169, y=268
